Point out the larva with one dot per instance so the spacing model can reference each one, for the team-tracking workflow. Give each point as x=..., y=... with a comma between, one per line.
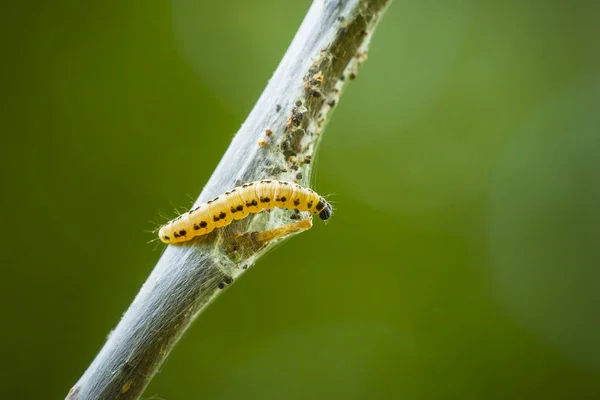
x=240, y=202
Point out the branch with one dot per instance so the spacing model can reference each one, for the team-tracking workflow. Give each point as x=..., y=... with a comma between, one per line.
x=328, y=48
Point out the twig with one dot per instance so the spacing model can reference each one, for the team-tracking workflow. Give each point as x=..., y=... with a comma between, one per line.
x=329, y=46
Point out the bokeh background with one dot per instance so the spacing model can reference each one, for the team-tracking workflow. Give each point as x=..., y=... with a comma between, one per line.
x=462, y=261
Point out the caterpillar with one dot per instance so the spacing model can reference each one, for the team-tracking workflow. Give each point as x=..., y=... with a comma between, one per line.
x=238, y=203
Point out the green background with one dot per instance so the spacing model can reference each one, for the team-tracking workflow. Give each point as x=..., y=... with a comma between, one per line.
x=463, y=258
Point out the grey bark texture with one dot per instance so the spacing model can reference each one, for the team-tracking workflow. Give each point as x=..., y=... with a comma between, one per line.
x=325, y=53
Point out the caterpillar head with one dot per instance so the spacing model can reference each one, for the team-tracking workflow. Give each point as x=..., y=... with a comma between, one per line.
x=326, y=212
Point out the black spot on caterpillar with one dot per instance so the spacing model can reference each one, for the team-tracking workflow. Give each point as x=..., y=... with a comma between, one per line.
x=238, y=203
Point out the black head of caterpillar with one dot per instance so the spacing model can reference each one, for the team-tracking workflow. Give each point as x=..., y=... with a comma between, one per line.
x=326, y=212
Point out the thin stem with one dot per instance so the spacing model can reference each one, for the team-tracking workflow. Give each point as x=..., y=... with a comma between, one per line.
x=325, y=53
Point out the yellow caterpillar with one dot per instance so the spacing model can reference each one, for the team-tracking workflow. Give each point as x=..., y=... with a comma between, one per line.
x=250, y=198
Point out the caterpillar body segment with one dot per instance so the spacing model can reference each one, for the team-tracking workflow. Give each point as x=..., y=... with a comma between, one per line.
x=238, y=203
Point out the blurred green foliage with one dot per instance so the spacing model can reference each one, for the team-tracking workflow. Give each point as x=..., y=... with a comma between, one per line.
x=462, y=261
